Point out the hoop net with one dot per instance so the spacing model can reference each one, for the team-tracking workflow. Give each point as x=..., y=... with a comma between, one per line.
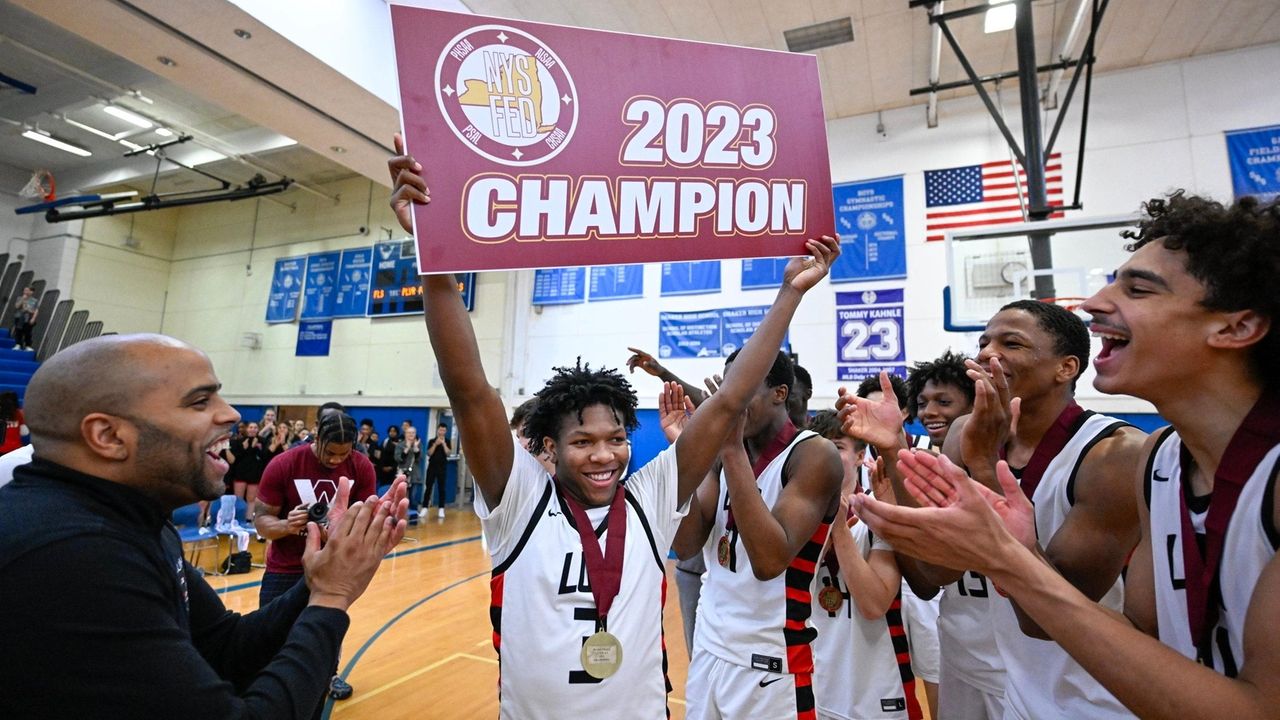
x=41, y=185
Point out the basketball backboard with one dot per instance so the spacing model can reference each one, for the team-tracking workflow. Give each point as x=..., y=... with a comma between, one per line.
x=989, y=267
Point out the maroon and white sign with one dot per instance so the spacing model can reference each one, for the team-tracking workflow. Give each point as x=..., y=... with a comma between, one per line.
x=548, y=146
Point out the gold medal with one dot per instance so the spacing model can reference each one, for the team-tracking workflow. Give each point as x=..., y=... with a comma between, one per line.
x=830, y=598
x=601, y=655
x=722, y=551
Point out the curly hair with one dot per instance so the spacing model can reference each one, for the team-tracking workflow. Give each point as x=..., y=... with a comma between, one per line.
x=1233, y=251
x=1070, y=334
x=947, y=369
x=871, y=383
x=572, y=390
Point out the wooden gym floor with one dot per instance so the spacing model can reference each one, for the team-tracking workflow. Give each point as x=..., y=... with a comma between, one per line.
x=419, y=646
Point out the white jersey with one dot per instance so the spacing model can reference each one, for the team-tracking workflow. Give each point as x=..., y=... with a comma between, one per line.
x=1248, y=546
x=541, y=604
x=857, y=673
x=1042, y=679
x=763, y=624
x=965, y=636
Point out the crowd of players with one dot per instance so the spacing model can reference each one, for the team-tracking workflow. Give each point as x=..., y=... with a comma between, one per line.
x=1068, y=564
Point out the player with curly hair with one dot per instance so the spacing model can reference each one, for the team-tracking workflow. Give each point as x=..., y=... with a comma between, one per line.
x=578, y=578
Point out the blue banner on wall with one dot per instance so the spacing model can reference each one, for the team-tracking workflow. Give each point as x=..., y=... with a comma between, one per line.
x=869, y=219
x=763, y=272
x=869, y=334
x=616, y=282
x=559, y=286
x=322, y=285
x=691, y=278
x=1255, y=162
x=352, y=299
x=286, y=288
x=313, y=338
x=708, y=333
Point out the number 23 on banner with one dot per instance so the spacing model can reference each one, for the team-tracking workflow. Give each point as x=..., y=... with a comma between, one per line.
x=684, y=133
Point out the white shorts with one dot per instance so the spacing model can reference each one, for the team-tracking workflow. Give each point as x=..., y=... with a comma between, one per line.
x=922, y=634
x=961, y=700
x=720, y=690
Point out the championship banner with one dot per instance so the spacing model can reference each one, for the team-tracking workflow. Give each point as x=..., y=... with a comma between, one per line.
x=869, y=219
x=869, y=334
x=286, y=288
x=322, y=284
x=616, y=282
x=1255, y=162
x=313, y=338
x=559, y=286
x=708, y=333
x=353, y=283
x=549, y=146
x=691, y=278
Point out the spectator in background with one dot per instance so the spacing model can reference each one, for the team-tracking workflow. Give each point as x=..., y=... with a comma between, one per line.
x=249, y=455
x=25, y=311
x=408, y=458
x=518, y=418
x=15, y=424
x=267, y=427
x=362, y=439
x=386, y=463
x=438, y=453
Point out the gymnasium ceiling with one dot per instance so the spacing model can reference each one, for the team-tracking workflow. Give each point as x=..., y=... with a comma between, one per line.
x=261, y=104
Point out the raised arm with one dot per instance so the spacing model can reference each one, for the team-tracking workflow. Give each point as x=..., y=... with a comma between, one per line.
x=697, y=447
x=478, y=410
x=648, y=363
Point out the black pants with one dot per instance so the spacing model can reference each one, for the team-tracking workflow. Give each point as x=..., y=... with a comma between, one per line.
x=435, y=476
x=22, y=332
x=273, y=586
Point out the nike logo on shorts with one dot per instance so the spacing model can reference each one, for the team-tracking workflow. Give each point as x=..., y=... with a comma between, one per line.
x=766, y=683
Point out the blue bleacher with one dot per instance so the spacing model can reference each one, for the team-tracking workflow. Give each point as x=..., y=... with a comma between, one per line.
x=16, y=366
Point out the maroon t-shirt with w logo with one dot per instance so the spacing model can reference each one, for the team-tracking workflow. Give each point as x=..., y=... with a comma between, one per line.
x=278, y=488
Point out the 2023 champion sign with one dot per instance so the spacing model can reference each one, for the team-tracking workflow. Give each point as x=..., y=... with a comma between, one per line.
x=547, y=146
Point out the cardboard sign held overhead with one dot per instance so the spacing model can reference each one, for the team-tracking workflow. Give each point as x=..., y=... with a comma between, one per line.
x=548, y=146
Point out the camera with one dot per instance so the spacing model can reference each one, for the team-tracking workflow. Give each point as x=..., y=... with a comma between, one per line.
x=318, y=513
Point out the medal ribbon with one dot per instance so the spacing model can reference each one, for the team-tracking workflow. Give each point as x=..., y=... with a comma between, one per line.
x=1259, y=432
x=771, y=451
x=604, y=569
x=1055, y=438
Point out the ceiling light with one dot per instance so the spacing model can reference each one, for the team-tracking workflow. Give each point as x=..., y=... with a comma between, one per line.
x=166, y=61
x=338, y=149
x=243, y=34
x=823, y=34
x=131, y=145
x=129, y=117
x=137, y=95
x=87, y=128
x=51, y=141
x=164, y=132
x=1002, y=16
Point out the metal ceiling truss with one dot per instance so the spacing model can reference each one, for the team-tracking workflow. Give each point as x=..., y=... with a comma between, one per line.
x=1033, y=151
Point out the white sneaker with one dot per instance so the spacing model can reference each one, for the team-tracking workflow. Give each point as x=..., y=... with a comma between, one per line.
x=440, y=514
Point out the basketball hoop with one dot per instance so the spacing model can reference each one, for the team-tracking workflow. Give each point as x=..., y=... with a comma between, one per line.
x=41, y=185
x=1067, y=303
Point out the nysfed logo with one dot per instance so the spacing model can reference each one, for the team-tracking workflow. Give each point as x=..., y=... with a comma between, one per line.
x=506, y=95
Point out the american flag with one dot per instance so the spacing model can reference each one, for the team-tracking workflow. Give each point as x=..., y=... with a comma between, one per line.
x=986, y=194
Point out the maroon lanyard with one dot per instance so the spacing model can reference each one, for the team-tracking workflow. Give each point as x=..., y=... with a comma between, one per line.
x=604, y=569
x=1259, y=432
x=1054, y=439
x=771, y=451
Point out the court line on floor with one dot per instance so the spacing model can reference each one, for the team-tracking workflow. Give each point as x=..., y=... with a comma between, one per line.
x=406, y=678
x=346, y=671
x=398, y=553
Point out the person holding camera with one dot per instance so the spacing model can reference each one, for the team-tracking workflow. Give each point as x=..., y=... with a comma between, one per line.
x=408, y=457
x=296, y=487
